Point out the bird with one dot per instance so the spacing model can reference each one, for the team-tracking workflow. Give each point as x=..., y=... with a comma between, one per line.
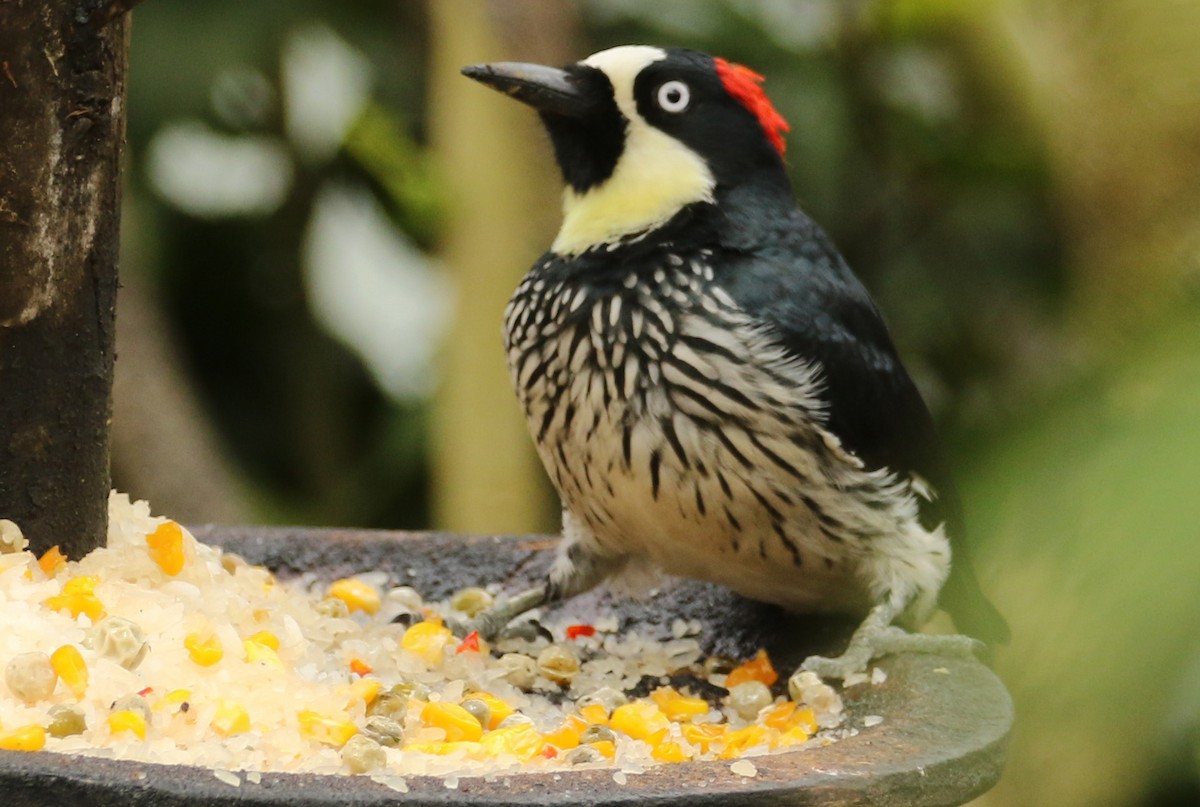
x=711, y=389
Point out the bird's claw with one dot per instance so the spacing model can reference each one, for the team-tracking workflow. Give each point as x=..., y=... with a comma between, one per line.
x=493, y=622
x=854, y=660
x=889, y=641
x=487, y=626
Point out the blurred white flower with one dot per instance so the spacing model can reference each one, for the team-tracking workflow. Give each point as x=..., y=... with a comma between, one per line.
x=326, y=82
x=374, y=290
x=212, y=175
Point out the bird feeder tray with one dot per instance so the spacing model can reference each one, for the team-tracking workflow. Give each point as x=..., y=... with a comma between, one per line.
x=941, y=742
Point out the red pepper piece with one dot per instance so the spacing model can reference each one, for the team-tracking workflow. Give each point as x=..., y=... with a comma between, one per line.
x=575, y=631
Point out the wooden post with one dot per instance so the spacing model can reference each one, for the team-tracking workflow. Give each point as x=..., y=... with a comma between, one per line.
x=504, y=190
x=62, y=123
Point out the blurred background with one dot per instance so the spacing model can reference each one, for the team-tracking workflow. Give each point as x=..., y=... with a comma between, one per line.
x=323, y=222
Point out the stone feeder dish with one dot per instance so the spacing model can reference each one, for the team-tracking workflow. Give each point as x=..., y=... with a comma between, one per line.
x=942, y=740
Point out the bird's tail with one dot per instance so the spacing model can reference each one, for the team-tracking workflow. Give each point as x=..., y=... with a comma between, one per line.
x=973, y=613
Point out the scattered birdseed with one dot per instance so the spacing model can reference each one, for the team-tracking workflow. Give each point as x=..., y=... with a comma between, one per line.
x=228, y=777
x=743, y=767
x=872, y=720
x=11, y=538
x=356, y=676
x=393, y=782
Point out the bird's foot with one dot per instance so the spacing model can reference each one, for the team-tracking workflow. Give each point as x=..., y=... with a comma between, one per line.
x=870, y=643
x=492, y=622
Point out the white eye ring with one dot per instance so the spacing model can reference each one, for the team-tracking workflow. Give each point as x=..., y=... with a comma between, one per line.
x=674, y=96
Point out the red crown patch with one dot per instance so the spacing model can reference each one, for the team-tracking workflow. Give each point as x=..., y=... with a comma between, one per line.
x=746, y=86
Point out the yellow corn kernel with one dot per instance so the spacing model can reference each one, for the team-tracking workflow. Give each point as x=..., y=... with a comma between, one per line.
x=805, y=719
x=25, y=738
x=564, y=739
x=568, y=735
x=796, y=735
x=594, y=714
x=265, y=637
x=670, y=752
x=71, y=668
x=703, y=735
x=426, y=639
x=231, y=718
x=737, y=742
x=641, y=720
x=679, y=707
x=257, y=652
x=498, y=708
x=605, y=747
x=128, y=720
x=172, y=698
x=523, y=741
x=778, y=716
x=364, y=690
x=78, y=596
x=166, y=547
x=684, y=708
x=357, y=595
x=204, y=650
x=83, y=584
x=758, y=668
x=457, y=722
x=442, y=748
x=52, y=561
x=77, y=604
x=333, y=730
x=662, y=695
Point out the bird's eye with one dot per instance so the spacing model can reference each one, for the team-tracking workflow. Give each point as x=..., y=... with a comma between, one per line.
x=674, y=96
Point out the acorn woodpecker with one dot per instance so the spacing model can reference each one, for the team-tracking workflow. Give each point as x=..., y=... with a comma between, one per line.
x=709, y=386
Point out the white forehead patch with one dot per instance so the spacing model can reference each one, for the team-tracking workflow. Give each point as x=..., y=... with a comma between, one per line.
x=622, y=65
x=655, y=177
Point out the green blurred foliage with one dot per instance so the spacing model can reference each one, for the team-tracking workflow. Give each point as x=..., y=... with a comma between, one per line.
x=390, y=157
x=1092, y=523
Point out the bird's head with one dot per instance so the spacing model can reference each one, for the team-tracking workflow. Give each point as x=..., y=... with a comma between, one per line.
x=642, y=132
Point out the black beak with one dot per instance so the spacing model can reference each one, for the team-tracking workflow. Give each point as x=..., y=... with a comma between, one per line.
x=546, y=89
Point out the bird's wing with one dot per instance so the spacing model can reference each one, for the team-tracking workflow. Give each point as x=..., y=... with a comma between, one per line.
x=817, y=310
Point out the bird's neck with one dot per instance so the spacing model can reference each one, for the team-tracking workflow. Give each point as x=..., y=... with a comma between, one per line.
x=756, y=211
x=656, y=179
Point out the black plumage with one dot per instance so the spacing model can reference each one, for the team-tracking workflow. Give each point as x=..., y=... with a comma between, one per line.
x=710, y=386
